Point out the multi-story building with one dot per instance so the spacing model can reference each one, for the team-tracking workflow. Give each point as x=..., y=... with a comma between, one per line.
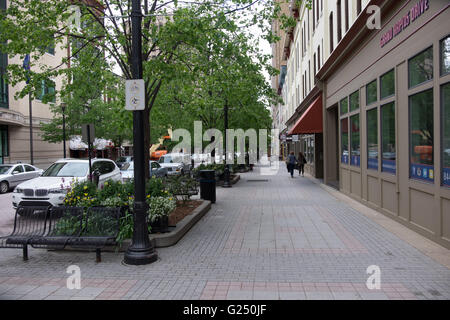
x=367, y=100
x=305, y=48
x=15, y=115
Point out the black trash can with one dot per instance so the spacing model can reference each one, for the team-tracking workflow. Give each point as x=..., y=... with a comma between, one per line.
x=208, y=185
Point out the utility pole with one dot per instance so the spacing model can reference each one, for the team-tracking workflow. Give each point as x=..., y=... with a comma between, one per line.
x=141, y=250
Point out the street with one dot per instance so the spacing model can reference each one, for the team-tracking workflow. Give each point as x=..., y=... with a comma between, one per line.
x=268, y=237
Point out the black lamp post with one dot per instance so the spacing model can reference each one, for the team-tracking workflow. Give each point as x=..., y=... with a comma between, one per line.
x=226, y=173
x=141, y=250
x=63, y=107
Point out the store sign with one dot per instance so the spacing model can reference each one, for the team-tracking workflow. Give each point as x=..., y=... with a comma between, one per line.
x=413, y=14
x=355, y=161
x=422, y=172
x=389, y=166
x=372, y=163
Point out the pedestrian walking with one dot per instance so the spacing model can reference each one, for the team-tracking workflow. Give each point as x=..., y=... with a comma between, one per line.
x=291, y=164
x=301, y=164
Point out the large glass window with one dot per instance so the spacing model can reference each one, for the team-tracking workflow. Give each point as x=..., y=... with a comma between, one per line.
x=371, y=93
x=421, y=136
x=47, y=91
x=445, y=56
x=372, y=139
x=344, y=141
x=355, y=141
x=388, y=151
x=387, y=84
x=354, y=101
x=344, y=105
x=420, y=68
x=445, y=96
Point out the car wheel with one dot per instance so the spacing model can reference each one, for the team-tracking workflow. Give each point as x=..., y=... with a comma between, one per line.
x=4, y=187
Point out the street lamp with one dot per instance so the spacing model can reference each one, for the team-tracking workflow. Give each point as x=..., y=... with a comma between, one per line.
x=226, y=183
x=141, y=250
x=63, y=107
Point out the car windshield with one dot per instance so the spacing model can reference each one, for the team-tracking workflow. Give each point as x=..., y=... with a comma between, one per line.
x=169, y=159
x=4, y=169
x=67, y=169
x=128, y=167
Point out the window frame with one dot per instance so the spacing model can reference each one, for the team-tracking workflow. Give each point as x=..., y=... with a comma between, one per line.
x=367, y=93
x=378, y=137
x=350, y=110
x=383, y=170
x=441, y=60
x=410, y=176
x=409, y=69
x=351, y=117
x=442, y=133
x=395, y=86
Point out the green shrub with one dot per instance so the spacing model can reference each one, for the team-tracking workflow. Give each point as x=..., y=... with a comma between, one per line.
x=82, y=194
x=160, y=206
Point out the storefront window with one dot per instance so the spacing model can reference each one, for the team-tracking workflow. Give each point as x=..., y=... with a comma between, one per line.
x=310, y=150
x=372, y=139
x=445, y=56
x=421, y=136
x=354, y=101
x=421, y=68
x=344, y=106
x=355, y=141
x=371, y=93
x=445, y=92
x=344, y=141
x=389, y=155
x=387, y=84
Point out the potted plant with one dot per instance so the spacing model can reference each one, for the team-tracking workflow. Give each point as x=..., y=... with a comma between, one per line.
x=158, y=213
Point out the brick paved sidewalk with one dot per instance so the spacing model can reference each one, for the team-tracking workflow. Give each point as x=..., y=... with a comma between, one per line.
x=278, y=239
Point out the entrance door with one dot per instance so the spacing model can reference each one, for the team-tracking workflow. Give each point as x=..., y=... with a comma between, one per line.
x=332, y=145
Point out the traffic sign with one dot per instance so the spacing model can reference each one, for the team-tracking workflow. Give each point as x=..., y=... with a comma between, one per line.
x=135, y=95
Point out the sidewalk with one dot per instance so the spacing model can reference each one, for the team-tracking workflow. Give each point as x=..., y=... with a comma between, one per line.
x=268, y=237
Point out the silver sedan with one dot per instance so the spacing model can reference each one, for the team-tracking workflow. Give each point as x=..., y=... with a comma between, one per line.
x=13, y=174
x=156, y=170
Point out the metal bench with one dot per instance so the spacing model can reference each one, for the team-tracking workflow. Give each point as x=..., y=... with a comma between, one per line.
x=59, y=227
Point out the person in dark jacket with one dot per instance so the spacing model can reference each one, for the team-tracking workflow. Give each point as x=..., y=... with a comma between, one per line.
x=291, y=164
x=301, y=164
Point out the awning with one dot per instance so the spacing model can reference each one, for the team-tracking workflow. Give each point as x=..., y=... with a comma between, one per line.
x=311, y=121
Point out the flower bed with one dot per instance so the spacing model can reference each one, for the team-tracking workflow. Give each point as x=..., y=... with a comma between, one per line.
x=162, y=203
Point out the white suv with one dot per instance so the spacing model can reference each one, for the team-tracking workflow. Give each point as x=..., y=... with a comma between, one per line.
x=176, y=163
x=51, y=187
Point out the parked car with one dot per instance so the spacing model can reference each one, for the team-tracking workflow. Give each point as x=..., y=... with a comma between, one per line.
x=155, y=171
x=13, y=174
x=123, y=160
x=176, y=163
x=51, y=187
